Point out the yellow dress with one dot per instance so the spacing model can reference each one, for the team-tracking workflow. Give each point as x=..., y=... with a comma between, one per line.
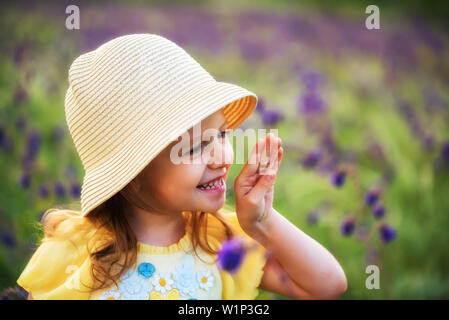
x=60, y=269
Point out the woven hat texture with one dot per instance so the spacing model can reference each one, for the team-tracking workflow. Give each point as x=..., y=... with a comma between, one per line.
x=130, y=98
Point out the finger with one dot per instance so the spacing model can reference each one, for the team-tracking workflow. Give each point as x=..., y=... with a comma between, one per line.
x=269, y=162
x=263, y=185
x=280, y=155
x=251, y=166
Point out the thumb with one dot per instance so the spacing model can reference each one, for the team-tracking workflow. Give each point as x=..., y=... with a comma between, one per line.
x=263, y=185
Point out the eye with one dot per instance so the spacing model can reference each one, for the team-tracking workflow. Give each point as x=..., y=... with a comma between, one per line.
x=223, y=134
x=193, y=150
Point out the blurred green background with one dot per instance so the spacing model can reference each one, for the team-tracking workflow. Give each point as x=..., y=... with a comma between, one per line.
x=363, y=115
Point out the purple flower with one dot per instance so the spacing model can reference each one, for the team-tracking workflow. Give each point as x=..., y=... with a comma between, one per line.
x=371, y=197
x=387, y=233
x=271, y=117
x=5, y=140
x=445, y=153
x=33, y=144
x=59, y=189
x=311, y=159
x=252, y=49
x=378, y=210
x=25, y=180
x=8, y=239
x=260, y=107
x=312, y=103
x=312, y=217
x=347, y=226
x=231, y=255
x=338, y=178
x=43, y=191
x=76, y=190
x=311, y=79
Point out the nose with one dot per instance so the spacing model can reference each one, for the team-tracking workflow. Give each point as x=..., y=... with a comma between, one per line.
x=221, y=154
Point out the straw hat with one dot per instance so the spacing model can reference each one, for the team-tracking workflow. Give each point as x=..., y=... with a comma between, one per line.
x=130, y=98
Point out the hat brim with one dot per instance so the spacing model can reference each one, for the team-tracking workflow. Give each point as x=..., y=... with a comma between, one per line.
x=109, y=177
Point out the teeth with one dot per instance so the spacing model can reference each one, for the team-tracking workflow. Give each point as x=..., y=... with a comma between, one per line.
x=211, y=185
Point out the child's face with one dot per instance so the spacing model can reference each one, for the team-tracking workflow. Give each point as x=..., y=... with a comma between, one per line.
x=173, y=187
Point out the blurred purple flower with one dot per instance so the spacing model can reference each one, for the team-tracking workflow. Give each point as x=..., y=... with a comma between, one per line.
x=387, y=233
x=76, y=190
x=378, y=210
x=24, y=180
x=347, y=226
x=445, y=153
x=59, y=189
x=231, y=254
x=5, y=141
x=8, y=239
x=271, y=117
x=311, y=159
x=311, y=79
x=260, y=107
x=251, y=49
x=43, y=191
x=312, y=217
x=406, y=110
x=33, y=144
x=338, y=178
x=371, y=197
x=327, y=141
x=311, y=103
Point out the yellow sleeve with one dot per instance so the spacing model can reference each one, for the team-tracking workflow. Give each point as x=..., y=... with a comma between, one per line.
x=243, y=285
x=59, y=269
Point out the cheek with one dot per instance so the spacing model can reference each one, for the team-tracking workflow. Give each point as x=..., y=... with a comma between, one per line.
x=182, y=178
x=228, y=153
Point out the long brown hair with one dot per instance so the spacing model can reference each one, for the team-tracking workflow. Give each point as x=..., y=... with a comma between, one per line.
x=118, y=250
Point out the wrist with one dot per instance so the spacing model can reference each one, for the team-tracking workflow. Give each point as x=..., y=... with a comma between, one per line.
x=261, y=230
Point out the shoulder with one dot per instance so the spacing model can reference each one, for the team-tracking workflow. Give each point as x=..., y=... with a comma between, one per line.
x=59, y=264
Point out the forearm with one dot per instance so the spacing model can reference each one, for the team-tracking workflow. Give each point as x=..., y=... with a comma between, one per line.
x=307, y=262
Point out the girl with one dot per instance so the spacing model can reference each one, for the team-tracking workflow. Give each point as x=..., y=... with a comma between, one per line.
x=151, y=226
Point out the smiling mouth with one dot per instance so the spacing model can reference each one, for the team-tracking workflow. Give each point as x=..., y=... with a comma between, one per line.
x=216, y=185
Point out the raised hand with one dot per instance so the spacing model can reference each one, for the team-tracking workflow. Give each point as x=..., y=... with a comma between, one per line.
x=254, y=186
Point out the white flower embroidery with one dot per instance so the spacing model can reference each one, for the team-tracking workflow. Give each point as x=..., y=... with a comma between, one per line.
x=162, y=282
x=134, y=287
x=205, y=279
x=185, y=276
x=112, y=294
